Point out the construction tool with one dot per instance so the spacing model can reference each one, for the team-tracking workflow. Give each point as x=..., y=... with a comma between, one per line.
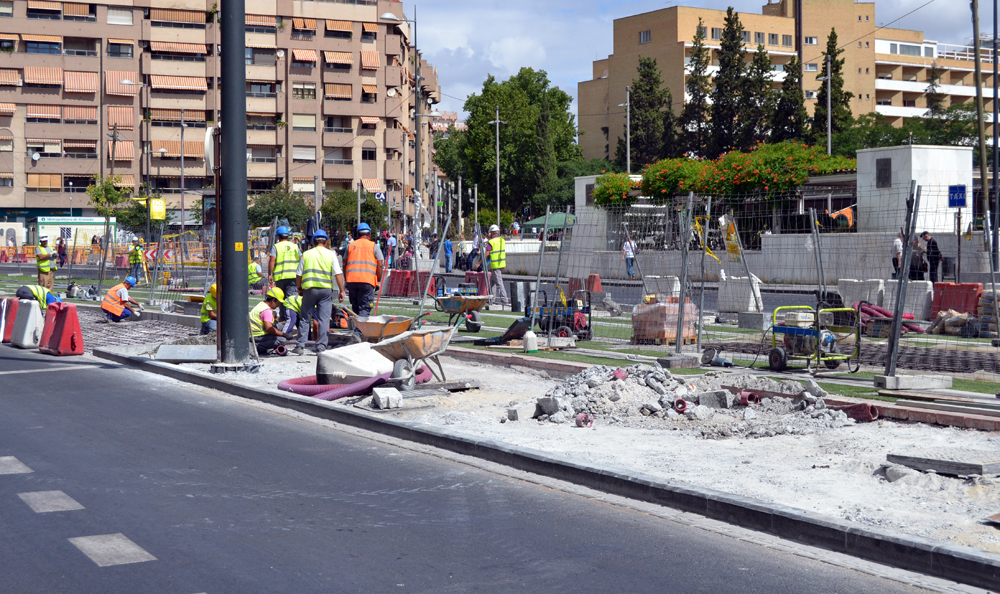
x=516, y=331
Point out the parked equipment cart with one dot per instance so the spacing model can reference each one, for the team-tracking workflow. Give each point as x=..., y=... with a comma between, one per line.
x=410, y=349
x=572, y=318
x=463, y=307
x=806, y=337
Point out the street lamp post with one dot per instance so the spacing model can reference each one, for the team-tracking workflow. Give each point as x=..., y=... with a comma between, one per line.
x=497, y=122
x=628, y=129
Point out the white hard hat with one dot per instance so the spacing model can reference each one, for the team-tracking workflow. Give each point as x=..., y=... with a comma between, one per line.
x=494, y=229
x=43, y=238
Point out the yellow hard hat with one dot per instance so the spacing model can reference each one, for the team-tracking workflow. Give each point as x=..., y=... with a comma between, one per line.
x=276, y=293
x=213, y=290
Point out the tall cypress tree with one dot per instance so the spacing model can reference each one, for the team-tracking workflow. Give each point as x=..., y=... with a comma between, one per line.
x=693, y=124
x=726, y=97
x=546, y=166
x=840, y=100
x=648, y=101
x=934, y=123
x=790, y=117
x=669, y=145
x=758, y=101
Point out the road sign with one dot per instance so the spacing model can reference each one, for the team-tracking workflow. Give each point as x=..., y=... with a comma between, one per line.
x=151, y=255
x=380, y=196
x=157, y=209
x=956, y=197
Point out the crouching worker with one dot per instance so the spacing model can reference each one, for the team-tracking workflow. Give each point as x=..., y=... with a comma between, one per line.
x=266, y=335
x=117, y=305
x=293, y=311
x=210, y=311
x=43, y=296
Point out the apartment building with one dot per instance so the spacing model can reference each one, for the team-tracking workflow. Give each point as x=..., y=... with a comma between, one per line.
x=330, y=97
x=887, y=70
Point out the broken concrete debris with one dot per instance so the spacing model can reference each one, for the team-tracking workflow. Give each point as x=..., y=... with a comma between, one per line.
x=386, y=398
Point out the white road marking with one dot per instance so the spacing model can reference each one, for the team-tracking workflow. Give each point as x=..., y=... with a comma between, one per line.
x=111, y=549
x=49, y=501
x=48, y=369
x=11, y=465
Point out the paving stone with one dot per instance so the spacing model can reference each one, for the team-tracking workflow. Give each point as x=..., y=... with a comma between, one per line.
x=386, y=398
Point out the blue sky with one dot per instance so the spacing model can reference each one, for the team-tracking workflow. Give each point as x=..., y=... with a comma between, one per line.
x=467, y=40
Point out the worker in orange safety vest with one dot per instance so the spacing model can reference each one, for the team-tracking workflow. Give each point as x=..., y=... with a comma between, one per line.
x=363, y=270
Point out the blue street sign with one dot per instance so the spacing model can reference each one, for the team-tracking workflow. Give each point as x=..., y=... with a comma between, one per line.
x=956, y=196
x=380, y=196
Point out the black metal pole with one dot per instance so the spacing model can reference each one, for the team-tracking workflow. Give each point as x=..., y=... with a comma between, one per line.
x=912, y=207
x=234, y=303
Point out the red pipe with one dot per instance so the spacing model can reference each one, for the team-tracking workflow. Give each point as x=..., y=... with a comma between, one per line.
x=858, y=412
x=747, y=398
x=307, y=386
x=680, y=405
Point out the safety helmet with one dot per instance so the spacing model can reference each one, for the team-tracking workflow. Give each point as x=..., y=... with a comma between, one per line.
x=364, y=227
x=130, y=280
x=276, y=293
x=282, y=230
x=213, y=291
x=321, y=234
x=494, y=229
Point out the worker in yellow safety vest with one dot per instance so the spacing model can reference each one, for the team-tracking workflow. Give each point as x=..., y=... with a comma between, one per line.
x=363, y=270
x=284, y=258
x=314, y=279
x=43, y=296
x=496, y=255
x=254, y=277
x=210, y=310
x=266, y=336
x=117, y=305
x=45, y=261
x=135, y=255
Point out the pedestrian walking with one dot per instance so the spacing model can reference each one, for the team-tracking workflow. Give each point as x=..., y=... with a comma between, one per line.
x=933, y=255
x=314, y=279
x=628, y=254
x=449, y=254
x=61, y=251
x=46, y=263
x=363, y=271
x=390, y=245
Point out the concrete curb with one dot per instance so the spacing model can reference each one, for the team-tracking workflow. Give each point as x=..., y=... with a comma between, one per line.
x=912, y=553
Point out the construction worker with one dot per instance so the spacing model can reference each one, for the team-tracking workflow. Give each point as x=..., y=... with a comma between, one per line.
x=363, y=270
x=43, y=296
x=293, y=307
x=117, y=305
x=135, y=254
x=210, y=311
x=314, y=278
x=254, y=275
x=496, y=255
x=266, y=335
x=284, y=258
x=45, y=261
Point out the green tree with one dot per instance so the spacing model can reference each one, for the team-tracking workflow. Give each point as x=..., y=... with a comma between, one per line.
x=693, y=122
x=727, y=96
x=340, y=210
x=280, y=202
x=648, y=100
x=449, y=152
x=790, y=116
x=758, y=101
x=545, y=166
x=563, y=193
x=840, y=100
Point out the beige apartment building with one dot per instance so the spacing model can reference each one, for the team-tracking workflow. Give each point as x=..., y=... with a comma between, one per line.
x=886, y=69
x=330, y=96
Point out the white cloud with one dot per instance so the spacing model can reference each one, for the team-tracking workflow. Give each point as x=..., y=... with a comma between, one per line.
x=511, y=53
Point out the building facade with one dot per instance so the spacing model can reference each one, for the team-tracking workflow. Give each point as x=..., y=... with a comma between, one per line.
x=330, y=97
x=887, y=70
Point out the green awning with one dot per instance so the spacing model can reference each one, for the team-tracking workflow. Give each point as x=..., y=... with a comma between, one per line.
x=556, y=221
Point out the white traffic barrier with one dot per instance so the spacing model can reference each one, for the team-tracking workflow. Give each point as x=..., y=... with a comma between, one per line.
x=853, y=291
x=27, y=333
x=919, y=298
x=737, y=294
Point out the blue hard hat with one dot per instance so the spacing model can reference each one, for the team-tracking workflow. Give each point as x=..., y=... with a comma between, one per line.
x=321, y=233
x=130, y=280
x=364, y=227
x=282, y=230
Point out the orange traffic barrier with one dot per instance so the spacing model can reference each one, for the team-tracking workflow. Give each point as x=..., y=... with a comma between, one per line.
x=10, y=316
x=62, y=335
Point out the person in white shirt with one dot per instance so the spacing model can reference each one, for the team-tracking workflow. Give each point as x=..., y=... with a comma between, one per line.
x=897, y=254
x=628, y=254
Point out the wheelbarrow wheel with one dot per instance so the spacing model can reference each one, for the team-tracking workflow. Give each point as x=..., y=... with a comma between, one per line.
x=586, y=334
x=403, y=373
x=474, y=323
x=777, y=360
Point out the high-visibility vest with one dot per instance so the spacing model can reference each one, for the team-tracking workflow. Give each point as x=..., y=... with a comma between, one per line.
x=49, y=264
x=112, y=304
x=208, y=305
x=317, y=268
x=294, y=303
x=135, y=255
x=361, y=266
x=256, y=324
x=41, y=294
x=253, y=277
x=498, y=253
x=286, y=260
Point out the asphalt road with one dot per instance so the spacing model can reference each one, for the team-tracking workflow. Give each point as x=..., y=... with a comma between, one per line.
x=194, y=492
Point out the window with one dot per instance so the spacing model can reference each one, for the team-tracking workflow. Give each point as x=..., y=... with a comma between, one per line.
x=248, y=56
x=859, y=18
x=745, y=35
x=6, y=45
x=7, y=182
x=338, y=124
x=7, y=8
x=883, y=173
x=786, y=40
x=867, y=97
x=305, y=185
x=119, y=50
x=257, y=121
x=304, y=122
x=44, y=148
x=883, y=102
x=859, y=71
x=702, y=31
x=119, y=16
x=79, y=12
x=338, y=156
x=40, y=47
x=859, y=45
x=338, y=34
x=866, y=71
x=44, y=14
x=260, y=89
x=758, y=38
x=44, y=182
x=866, y=44
x=259, y=56
x=909, y=50
x=303, y=64
x=778, y=67
x=645, y=36
x=772, y=39
x=6, y=145
x=893, y=48
x=866, y=18
x=812, y=68
x=811, y=41
x=367, y=154
x=716, y=33
x=303, y=154
x=303, y=90
x=810, y=94
x=928, y=52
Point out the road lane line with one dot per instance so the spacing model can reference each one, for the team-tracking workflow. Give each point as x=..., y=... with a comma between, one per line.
x=49, y=501
x=11, y=465
x=111, y=549
x=48, y=369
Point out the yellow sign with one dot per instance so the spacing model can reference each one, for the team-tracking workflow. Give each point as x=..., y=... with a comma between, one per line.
x=732, y=241
x=239, y=246
x=157, y=209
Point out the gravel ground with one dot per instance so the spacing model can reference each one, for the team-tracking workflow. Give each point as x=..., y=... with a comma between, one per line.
x=98, y=332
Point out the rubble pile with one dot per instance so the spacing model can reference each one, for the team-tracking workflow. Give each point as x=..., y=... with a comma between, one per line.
x=640, y=395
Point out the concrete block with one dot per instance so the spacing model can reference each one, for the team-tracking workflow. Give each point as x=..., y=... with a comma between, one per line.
x=28, y=326
x=675, y=361
x=518, y=294
x=919, y=298
x=386, y=398
x=716, y=399
x=663, y=285
x=523, y=413
x=853, y=290
x=754, y=320
x=548, y=405
x=913, y=382
x=738, y=294
x=186, y=353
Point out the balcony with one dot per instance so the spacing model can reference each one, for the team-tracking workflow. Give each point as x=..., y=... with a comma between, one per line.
x=262, y=137
x=394, y=170
x=262, y=104
x=393, y=139
x=262, y=170
x=338, y=137
x=338, y=169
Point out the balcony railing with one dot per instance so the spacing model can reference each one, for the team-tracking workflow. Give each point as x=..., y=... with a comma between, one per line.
x=80, y=155
x=262, y=95
x=73, y=52
x=178, y=58
x=261, y=127
x=339, y=130
x=262, y=159
x=338, y=161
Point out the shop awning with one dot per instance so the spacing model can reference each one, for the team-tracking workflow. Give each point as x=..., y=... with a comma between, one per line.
x=370, y=27
x=305, y=24
x=343, y=26
x=80, y=144
x=10, y=77
x=72, y=9
x=178, y=48
x=178, y=83
x=370, y=120
x=80, y=82
x=339, y=58
x=370, y=60
x=124, y=150
x=113, y=83
x=372, y=185
x=174, y=115
x=193, y=150
x=167, y=15
x=261, y=20
x=43, y=111
x=339, y=91
x=127, y=180
x=44, y=5
x=80, y=113
x=42, y=38
x=122, y=41
x=42, y=75
x=7, y=109
x=370, y=89
x=304, y=55
x=123, y=115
